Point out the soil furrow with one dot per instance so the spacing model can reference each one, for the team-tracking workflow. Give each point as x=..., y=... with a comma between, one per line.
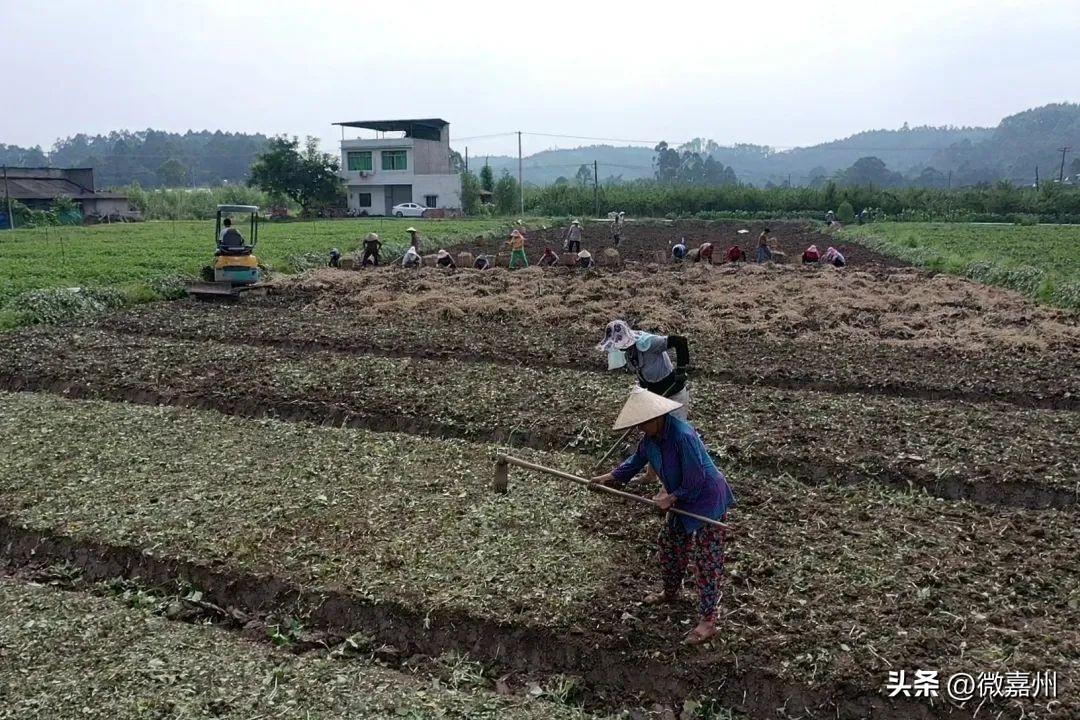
x=613, y=681
x=817, y=471
x=785, y=379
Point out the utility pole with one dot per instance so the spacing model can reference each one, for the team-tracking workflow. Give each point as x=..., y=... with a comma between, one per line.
x=521, y=184
x=950, y=180
x=466, y=158
x=7, y=199
x=596, y=187
x=1061, y=174
x=1036, y=177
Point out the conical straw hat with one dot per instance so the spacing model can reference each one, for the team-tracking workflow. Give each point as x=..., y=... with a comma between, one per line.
x=642, y=406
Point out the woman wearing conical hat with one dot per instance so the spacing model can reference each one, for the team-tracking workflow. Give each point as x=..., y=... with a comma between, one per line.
x=691, y=482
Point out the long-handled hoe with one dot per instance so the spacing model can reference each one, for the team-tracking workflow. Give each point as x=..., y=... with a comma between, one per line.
x=502, y=484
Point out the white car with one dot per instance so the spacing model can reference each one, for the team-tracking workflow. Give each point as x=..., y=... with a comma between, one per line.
x=408, y=210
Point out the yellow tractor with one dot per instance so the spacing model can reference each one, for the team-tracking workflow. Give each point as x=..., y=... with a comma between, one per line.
x=235, y=269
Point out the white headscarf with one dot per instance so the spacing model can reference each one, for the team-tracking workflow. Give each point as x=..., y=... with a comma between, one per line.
x=618, y=336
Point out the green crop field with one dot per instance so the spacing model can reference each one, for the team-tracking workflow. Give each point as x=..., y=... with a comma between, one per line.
x=1042, y=261
x=136, y=259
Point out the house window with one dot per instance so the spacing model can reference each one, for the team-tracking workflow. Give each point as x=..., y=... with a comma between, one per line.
x=359, y=161
x=431, y=201
x=363, y=199
x=393, y=160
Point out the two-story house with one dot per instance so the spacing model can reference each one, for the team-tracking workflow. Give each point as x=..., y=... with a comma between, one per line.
x=411, y=165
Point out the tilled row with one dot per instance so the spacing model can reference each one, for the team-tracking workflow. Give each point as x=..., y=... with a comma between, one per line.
x=993, y=454
x=65, y=647
x=829, y=587
x=907, y=336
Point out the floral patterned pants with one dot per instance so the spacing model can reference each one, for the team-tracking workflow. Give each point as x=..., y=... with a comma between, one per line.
x=705, y=548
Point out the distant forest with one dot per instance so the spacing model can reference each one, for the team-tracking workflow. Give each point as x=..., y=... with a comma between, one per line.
x=932, y=157
x=936, y=157
x=151, y=158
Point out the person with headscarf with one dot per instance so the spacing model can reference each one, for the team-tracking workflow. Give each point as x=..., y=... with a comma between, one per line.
x=834, y=257
x=690, y=482
x=517, y=249
x=572, y=239
x=372, y=245
x=585, y=260
x=444, y=259
x=735, y=254
x=411, y=258
x=811, y=255
x=548, y=259
x=647, y=356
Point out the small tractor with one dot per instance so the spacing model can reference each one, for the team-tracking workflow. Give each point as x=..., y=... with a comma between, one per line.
x=236, y=269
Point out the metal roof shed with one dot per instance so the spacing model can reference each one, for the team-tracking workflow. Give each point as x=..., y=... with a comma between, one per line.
x=423, y=129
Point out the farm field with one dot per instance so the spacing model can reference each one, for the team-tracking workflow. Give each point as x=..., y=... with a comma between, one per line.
x=137, y=257
x=903, y=446
x=1008, y=455
x=120, y=658
x=1042, y=261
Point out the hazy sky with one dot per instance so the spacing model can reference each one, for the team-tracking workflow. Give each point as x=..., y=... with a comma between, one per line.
x=778, y=73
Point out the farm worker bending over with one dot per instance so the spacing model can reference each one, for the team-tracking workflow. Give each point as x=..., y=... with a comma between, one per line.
x=335, y=258
x=482, y=262
x=372, y=245
x=414, y=238
x=692, y=483
x=517, y=249
x=647, y=355
x=678, y=250
x=763, y=251
x=735, y=254
x=411, y=259
x=548, y=259
x=811, y=255
x=572, y=239
x=584, y=260
x=704, y=252
x=833, y=257
x=444, y=260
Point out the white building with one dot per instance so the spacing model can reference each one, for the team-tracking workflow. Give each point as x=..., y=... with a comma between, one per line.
x=408, y=161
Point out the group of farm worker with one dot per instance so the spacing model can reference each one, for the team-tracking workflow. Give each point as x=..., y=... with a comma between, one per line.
x=674, y=453
x=735, y=253
x=572, y=243
x=764, y=253
x=832, y=256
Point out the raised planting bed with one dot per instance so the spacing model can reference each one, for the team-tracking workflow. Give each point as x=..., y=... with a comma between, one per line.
x=72, y=654
x=992, y=453
x=903, y=334
x=830, y=586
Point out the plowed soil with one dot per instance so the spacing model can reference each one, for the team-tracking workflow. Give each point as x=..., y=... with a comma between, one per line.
x=993, y=453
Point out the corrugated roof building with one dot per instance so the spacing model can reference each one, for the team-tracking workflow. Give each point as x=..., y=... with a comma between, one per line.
x=38, y=188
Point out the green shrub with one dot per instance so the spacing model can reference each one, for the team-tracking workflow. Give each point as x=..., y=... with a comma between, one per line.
x=845, y=213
